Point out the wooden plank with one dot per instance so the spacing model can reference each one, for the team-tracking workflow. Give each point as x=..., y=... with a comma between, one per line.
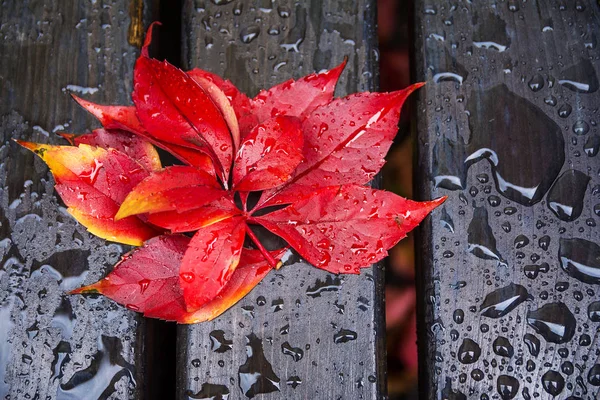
x=509, y=279
x=303, y=332
x=53, y=345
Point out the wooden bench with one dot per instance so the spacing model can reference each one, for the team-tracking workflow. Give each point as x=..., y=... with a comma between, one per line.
x=301, y=334
x=510, y=264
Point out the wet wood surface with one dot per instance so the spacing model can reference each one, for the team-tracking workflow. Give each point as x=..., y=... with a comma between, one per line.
x=507, y=128
x=55, y=346
x=302, y=333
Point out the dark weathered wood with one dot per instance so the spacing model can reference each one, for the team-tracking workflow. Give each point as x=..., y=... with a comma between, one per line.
x=295, y=315
x=53, y=345
x=503, y=70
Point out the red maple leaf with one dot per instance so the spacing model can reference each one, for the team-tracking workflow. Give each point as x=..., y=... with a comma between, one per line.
x=292, y=159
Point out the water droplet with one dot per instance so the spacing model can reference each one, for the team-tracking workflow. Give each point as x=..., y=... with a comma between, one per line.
x=592, y=145
x=553, y=382
x=283, y=11
x=477, y=374
x=295, y=352
x=567, y=367
x=249, y=33
x=482, y=242
x=510, y=210
x=581, y=127
x=468, y=352
x=565, y=110
x=218, y=342
x=187, y=277
x=536, y=82
x=503, y=300
x=594, y=375
x=293, y=381
x=330, y=284
x=551, y=101
x=533, y=344
x=593, y=311
x=494, y=200
x=565, y=197
x=554, y=321
x=277, y=305
x=98, y=379
x=544, y=242
x=521, y=241
x=446, y=220
x=144, y=283
x=344, y=336
x=210, y=391
x=561, y=286
x=496, y=140
x=502, y=347
x=449, y=394
x=256, y=375
x=507, y=386
x=580, y=258
x=580, y=77
x=491, y=33
x=458, y=316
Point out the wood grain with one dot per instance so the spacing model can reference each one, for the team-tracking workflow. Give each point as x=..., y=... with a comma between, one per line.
x=507, y=84
x=289, y=325
x=53, y=345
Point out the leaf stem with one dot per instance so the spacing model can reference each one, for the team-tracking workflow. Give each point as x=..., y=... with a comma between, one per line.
x=262, y=249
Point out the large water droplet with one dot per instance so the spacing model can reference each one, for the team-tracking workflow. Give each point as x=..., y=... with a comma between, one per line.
x=581, y=128
x=594, y=311
x=482, y=242
x=218, y=343
x=521, y=241
x=594, y=375
x=468, y=352
x=295, y=352
x=553, y=382
x=249, y=33
x=503, y=300
x=592, y=145
x=520, y=174
x=296, y=35
x=565, y=198
x=565, y=110
x=330, y=284
x=449, y=394
x=446, y=220
x=256, y=375
x=580, y=77
x=98, y=379
x=502, y=347
x=554, y=321
x=210, y=391
x=580, y=258
x=536, y=82
x=491, y=33
x=507, y=386
x=533, y=344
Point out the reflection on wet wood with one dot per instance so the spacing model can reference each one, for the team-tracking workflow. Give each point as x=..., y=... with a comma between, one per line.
x=509, y=277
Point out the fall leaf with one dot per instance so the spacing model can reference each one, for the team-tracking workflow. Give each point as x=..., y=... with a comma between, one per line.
x=93, y=182
x=147, y=280
x=292, y=159
x=343, y=228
